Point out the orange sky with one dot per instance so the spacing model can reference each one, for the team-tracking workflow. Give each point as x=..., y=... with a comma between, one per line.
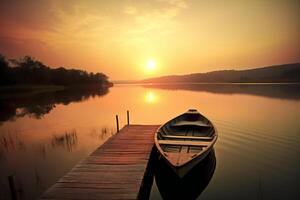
x=120, y=37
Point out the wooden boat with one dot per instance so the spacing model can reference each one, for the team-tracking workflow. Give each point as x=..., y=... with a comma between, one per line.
x=185, y=140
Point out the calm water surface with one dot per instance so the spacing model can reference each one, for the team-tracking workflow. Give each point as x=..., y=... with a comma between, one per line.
x=42, y=136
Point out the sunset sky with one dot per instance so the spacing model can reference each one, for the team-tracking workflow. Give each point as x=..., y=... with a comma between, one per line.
x=137, y=39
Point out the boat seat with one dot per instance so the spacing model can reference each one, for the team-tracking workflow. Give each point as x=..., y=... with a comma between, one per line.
x=184, y=143
x=191, y=123
x=186, y=137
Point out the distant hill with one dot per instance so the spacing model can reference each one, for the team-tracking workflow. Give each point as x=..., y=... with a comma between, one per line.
x=277, y=74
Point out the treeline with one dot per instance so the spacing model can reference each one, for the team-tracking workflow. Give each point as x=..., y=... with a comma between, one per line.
x=27, y=71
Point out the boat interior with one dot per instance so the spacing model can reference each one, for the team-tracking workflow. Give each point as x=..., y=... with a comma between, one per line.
x=187, y=133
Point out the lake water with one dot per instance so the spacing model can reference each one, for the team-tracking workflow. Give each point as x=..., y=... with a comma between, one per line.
x=42, y=136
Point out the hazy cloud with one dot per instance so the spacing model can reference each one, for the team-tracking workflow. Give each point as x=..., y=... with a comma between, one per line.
x=130, y=10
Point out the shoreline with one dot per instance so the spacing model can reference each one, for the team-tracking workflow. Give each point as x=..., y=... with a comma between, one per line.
x=30, y=88
x=207, y=83
x=19, y=90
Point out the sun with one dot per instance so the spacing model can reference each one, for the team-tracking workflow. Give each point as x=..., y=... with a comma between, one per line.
x=151, y=65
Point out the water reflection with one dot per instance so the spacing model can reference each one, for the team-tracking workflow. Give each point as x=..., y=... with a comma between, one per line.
x=38, y=180
x=150, y=97
x=281, y=91
x=191, y=186
x=41, y=151
x=13, y=106
x=11, y=142
x=102, y=133
x=68, y=140
x=33, y=162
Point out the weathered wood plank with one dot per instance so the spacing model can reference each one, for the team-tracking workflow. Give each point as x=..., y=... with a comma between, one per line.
x=115, y=170
x=184, y=143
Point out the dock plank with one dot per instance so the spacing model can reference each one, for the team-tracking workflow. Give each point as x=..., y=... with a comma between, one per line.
x=115, y=170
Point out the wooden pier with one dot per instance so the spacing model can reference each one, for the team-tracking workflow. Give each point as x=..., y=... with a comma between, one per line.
x=119, y=169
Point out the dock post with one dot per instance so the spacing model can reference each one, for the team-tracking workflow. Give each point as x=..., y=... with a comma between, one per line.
x=12, y=187
x=117, y=120
x=127, y=117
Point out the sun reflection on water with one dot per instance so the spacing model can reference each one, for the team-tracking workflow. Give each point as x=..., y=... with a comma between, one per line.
x=150, y=97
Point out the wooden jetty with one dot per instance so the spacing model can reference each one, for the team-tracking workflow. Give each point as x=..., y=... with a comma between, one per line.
x=119, y=169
